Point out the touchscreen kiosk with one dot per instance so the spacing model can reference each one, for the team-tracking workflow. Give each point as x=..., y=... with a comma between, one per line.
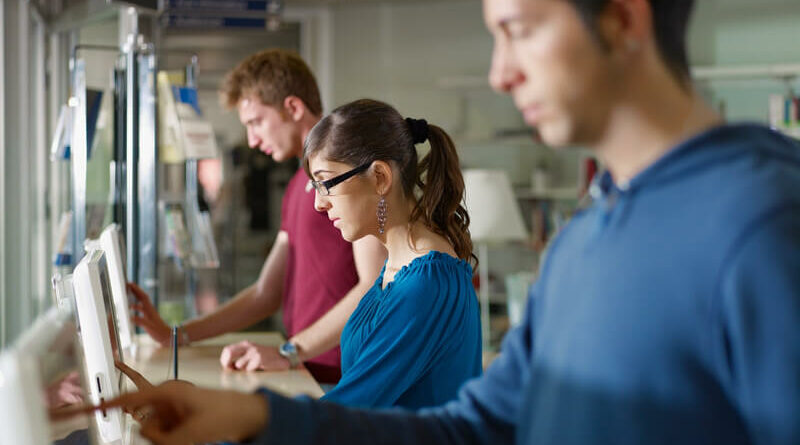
x=99, y=339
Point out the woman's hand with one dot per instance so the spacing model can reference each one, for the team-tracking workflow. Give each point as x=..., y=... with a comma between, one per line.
x=247, y=356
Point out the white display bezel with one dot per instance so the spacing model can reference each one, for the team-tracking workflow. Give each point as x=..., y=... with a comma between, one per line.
x=103, y=377
x=111, y=243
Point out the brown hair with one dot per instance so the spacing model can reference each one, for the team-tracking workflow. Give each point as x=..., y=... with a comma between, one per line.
x=368, y=130
x=271, y=75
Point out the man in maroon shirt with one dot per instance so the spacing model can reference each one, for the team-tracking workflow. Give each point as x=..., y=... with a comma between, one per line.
x=316, y=276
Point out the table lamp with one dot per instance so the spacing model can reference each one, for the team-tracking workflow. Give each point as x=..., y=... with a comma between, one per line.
x=495, y=218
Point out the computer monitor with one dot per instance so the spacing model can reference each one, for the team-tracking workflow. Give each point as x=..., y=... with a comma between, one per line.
x=112, y=243
x=64, y=295
x=100, y=339
x=39, y=375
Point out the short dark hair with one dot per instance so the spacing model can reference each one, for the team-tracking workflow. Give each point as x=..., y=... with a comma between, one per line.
x=670, y=23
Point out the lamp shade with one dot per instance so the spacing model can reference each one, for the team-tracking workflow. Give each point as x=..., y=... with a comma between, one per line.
x=492, y=207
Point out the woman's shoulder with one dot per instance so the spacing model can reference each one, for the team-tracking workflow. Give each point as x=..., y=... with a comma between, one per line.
x=434, y=267
x=435, y=260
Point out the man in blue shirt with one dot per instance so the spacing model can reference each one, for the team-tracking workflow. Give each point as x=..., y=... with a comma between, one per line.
x=667, y=311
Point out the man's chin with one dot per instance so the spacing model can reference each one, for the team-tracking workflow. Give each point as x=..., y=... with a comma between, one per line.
x=552, y=137
x=278, y=156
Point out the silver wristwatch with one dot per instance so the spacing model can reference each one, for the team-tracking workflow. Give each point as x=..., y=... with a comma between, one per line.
x=289, y=351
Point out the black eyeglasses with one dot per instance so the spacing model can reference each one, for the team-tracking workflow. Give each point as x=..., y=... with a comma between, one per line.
x=324, y=187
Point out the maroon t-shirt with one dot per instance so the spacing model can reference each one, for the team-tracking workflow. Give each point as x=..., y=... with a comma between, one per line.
x=320, y=269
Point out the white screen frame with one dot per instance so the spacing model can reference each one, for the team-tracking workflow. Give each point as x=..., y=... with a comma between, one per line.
x=111, y=242
x=103, y=377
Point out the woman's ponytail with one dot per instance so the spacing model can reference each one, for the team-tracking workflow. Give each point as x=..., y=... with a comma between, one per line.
x=440, y=204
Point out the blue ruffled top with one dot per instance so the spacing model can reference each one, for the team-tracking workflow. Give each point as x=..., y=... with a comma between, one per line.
x=413, y=343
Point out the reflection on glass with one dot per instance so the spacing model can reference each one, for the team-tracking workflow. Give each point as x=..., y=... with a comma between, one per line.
x=100, y=143
x=62, y=382
x=41, y=375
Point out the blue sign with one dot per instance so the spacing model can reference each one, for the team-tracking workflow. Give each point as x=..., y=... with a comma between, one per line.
x=219, y=5
x=206, y=21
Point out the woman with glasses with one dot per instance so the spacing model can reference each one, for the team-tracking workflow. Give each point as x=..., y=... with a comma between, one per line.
x=414, y=338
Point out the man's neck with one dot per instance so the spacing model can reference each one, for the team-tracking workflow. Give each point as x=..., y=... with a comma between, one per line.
x=305, y=127
x=655, y=116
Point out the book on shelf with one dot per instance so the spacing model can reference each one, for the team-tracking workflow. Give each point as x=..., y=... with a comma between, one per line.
x=784, y=114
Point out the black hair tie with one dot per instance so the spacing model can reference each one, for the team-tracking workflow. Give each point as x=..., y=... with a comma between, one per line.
x=419, y=129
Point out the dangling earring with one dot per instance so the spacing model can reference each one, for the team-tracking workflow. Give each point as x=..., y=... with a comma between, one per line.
x=381, y=215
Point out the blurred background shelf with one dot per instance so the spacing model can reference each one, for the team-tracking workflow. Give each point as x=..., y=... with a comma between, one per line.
x=554, y=194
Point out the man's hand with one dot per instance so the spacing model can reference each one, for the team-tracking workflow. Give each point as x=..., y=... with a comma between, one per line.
x=246, y=356
x=146, y=316
x=179, y=413
x=142, y=384
x=138, y=379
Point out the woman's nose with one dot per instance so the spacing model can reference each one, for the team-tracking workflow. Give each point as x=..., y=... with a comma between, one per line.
x=321, y=203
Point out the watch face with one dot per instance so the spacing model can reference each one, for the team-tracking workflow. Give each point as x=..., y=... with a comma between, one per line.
x=289, y=352
x=288, y=349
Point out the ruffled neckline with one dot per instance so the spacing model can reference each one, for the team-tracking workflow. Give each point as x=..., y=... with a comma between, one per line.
x=419, y=262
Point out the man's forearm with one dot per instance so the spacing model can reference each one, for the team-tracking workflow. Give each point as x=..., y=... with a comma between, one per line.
x=245, y=309
x=324, y=334
x=302, y=421
x=250, y=305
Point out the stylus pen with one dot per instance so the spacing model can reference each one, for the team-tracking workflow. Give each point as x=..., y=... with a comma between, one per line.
x=175, y=352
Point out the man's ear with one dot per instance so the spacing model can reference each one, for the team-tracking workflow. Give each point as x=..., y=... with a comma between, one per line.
x=384, y=176
x=295, y=108
x=625, y=26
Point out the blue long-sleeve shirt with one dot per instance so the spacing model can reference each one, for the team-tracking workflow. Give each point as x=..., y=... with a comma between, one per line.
x=413, y=343
x=667, y=312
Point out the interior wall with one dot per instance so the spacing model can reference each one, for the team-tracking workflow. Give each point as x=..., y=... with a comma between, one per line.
x=740, y=32
x=407, y=53
x=431, y=60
